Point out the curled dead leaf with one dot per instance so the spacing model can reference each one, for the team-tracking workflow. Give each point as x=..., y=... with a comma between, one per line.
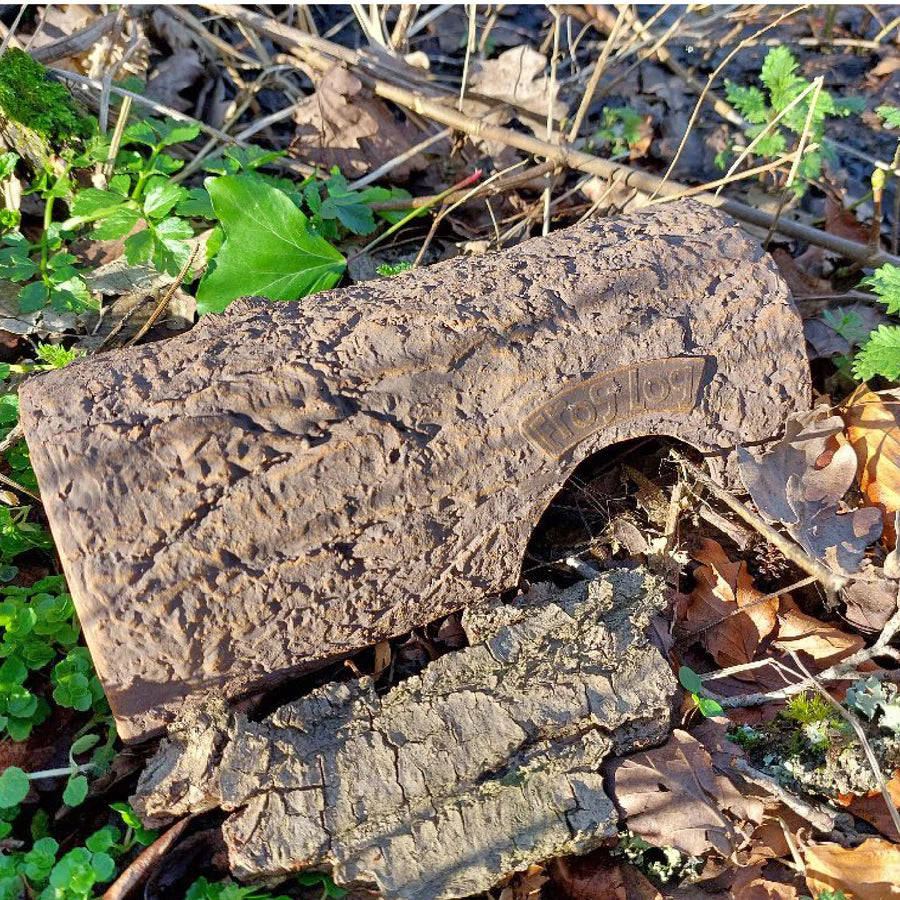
x=824, y=644
x=873, y=427
x=870, y=871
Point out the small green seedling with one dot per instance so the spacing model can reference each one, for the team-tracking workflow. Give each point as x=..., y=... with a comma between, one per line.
x=622, y=130
x=880, y=354
x=693, y=684
x=761, y=107
x=202, y=889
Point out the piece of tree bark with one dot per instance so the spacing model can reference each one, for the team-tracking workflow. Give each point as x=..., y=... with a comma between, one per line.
x=289, y=482
x=485, y=763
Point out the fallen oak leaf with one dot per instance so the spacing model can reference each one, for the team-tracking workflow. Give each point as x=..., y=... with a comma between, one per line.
x=799, y=633
x=867, y=872
x=673, y=796
x=873, y=808
x=873, y=428
x=714, y=607
x=788, y=485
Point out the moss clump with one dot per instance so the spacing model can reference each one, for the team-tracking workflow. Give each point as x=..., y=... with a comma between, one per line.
x=29, y=97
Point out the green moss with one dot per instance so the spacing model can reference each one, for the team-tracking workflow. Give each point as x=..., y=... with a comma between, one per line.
x=29, y=97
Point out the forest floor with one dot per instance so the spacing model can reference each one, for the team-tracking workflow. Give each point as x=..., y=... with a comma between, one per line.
x=403, y=135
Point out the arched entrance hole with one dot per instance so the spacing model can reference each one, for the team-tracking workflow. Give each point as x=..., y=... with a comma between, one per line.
x=612, y=500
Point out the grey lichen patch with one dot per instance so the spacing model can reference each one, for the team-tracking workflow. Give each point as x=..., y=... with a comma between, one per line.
x=484, y=763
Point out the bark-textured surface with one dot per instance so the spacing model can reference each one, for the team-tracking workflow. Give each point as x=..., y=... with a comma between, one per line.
x=289, y=482
x=486, y=762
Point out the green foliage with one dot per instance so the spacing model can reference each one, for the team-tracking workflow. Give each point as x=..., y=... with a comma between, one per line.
x=9, y=218
x=665, y=864
x=621, y=129
x=693, y=684
x=269, y=249
x=877, y=701
x=805, y=709
x=76, y=875
x=143, y=836
x=389, y=270
x=39, y=630
x=56, y=356
x=14, y=787
x=29, y=97
x=330, y=891
x=760, y=108
x=202, y=889
x=880, y=354
x=890, y=115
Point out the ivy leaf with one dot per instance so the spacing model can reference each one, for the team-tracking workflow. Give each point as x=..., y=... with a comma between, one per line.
x=13, y=787
x=880, y=355
x=117, y=224
x=885, y=281
x=268, y=250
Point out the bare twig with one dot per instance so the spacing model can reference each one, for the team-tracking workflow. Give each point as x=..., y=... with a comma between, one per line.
x=596, y=75
x=157, y=312
x=136, y=873
x=831, y=581
x=640, y=180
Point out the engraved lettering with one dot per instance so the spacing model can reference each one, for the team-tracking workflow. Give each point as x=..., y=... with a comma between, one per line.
x=579, y=410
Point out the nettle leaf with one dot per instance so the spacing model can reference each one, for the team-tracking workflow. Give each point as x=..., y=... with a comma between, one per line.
x=885, y=282
x=117, y=224
x=161, y=196
x=170, y=250
x=880, y=355
x=268, y=249
x=890, y=115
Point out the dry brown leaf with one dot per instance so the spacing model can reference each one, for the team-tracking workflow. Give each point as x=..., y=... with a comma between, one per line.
x=751, y=884
x=517, y=76
x=343, y=125
x=873, y=809
x=842, y=222
x=525, y=885
x=870, y=871
x=672, y=795
x=799, y=281
x=873, y=427
x=591, y=877
x=723, y=587
x=825, y=644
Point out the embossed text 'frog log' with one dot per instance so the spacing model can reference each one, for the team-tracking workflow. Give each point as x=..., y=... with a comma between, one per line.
x=289, y=482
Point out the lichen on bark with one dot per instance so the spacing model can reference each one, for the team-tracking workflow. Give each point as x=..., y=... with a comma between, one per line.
x=486, y=762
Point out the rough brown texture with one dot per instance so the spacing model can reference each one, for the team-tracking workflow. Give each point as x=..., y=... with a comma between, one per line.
x=289, y=482
x=485, y=763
